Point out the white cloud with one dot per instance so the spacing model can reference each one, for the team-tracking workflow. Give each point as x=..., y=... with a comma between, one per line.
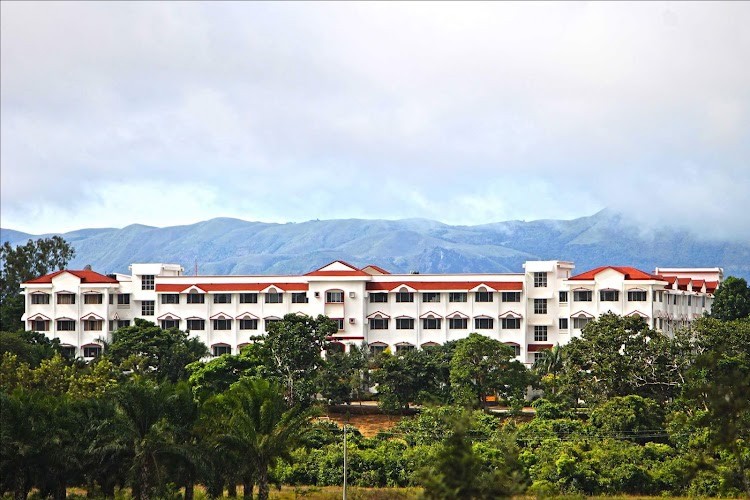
x=463, y=112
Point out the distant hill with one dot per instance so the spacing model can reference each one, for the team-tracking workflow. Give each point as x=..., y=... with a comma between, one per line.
x=233, y=246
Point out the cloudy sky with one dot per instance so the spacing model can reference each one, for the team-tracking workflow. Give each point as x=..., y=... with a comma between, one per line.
x=170, y=113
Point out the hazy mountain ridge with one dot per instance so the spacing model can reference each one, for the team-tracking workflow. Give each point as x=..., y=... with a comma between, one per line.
x=234, y=246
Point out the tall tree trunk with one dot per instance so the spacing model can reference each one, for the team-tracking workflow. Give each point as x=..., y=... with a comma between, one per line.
x=61, y=492
x=247, y=487
x=189, y=489
x=263, y=482
x=21, y=490
x=232, y=489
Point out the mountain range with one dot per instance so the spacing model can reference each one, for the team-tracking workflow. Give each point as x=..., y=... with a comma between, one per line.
x=234, y=246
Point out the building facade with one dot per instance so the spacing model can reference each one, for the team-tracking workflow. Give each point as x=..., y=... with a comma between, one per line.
x=531, y=311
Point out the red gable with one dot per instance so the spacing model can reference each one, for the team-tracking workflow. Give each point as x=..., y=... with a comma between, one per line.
x=711, y=286
x=85, y=276
x=630, y=273
x=352, y=271
x=445, y=285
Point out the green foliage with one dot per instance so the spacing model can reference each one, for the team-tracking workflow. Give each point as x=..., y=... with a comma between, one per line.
x=30, y=347
x=732, y=300
x=217, y=375
x=294, y=346
x=23, y=263
x=482, y=367
x=629, y=417
x=620, y=356
x=148, y=350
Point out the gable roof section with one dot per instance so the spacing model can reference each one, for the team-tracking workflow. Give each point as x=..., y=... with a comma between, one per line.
x=230, y=287
x=85, y=276
x=373, y=269
x=338, y=268
x=630, y=273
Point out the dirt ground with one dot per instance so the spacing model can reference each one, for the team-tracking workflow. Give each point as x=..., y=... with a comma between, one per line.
x=367, y=425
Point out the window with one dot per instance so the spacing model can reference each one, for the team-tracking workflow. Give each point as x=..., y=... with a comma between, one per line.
x=660, y=296
x=66, y=325
x=580, y=322
x=170, y=298
x=516, y=349
x=147, y=308
x=92, y=298
x=378, y=349
x=66, y=298
x=609, y=295
x=339, y=323
x=690, y=300
x=540, y=280
x=40, y=325
x=675, y=299
x=39, y=298
x=540, y=306
x=431, y=297
x=92, y=325
x=483, y=323
x=540, y=333
x=510, y=323
x=147, y=282
x=378, y=298
x=510, y=296
x=563, y=323
x=248, y=324
x=270, y=322
x=582, y=296
x=563, y=297
x=483, y=296
x=458, y=323
x=704, y=301
x=166, y=324
x=222, y=324
x=68, y=351
x=123, y=323
x=404, y=297
x=92, y=351
x=404, y=323
x=378, y=323
x=196, y=298
x=111, y=299
x=248, y=298
x=457, y=296
x=431, y=323
x=221, y=349
x=123, y=299
x=299, y=298
x=636, y=296
x=334, y=297
x=223, y=298
x=274, y=298
x=196, y=324
x=538, y=355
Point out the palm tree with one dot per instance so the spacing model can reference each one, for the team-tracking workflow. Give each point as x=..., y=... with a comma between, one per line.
x=551, y=362
x=259, y=425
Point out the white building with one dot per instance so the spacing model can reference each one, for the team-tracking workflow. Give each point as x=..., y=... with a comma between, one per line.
x=531, y=311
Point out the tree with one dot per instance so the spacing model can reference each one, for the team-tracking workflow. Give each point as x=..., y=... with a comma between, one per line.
x=23, y=263
x=258, y=424
x=294, y=348
x=619, y=356
x=217, y=375
x=549, y=366
x=30, y=347
x=482, y=366
x=147, y=349
x=732, y=300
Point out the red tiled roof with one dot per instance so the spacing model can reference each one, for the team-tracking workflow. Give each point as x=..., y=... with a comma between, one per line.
x=630, y=273
x=698, y=284
x=230, y=287
x=711, y=286
x=85, y=276
x=445, y=285
x=377, y=268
